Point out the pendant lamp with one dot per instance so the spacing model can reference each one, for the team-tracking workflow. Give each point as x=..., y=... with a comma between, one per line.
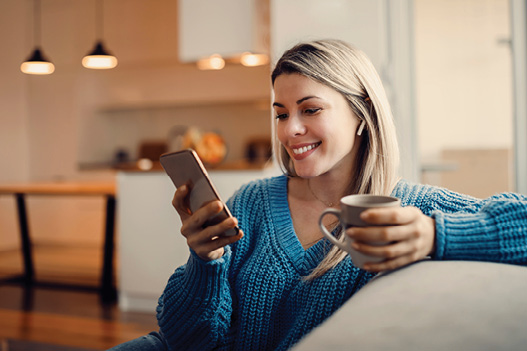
x=99, y=57
x=37, y=63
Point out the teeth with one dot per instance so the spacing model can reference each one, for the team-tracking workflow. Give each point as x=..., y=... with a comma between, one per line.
x=301, y=150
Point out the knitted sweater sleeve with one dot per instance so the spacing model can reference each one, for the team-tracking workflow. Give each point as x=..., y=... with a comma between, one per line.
x=195, y=309
x=467, y=228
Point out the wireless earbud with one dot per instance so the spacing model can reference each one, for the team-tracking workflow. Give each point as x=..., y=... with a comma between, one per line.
x=361, y=127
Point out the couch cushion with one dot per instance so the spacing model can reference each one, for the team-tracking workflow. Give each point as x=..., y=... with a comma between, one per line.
x=432, y=305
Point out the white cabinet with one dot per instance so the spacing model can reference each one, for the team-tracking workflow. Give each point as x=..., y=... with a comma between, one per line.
x=362, y=23
x=150, y=245
x=224, y=27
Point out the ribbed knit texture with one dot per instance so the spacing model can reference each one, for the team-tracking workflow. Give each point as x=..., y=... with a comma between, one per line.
x=254, y=297
x=493, y=229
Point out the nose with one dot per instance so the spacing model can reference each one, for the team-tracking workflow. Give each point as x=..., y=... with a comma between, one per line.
x=294, y=126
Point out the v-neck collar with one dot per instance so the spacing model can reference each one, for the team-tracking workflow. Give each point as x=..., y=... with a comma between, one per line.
x=303, y=260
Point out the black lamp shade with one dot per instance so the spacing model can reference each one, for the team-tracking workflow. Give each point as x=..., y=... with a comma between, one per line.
x=37, y=56
x=99, y=50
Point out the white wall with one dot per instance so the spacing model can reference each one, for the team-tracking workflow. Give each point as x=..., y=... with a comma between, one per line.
x=13, y=96
x=361, y=23
x=14, y=145
x=519, y=58
x=463, y=75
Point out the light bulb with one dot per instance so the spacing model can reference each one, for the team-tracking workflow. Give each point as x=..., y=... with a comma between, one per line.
x=99, y=58
x=250, y=60
x=99, y=61
x=37, y=67
x=214, y=62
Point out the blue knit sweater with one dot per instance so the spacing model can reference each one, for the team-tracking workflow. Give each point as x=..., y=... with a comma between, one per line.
x=254, y=297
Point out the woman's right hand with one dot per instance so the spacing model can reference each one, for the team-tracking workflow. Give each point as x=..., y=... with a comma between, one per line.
x=206, y=242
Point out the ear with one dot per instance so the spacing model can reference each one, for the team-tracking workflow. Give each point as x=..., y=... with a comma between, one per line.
x=361, y=127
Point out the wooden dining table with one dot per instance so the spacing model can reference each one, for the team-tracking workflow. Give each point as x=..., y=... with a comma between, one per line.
x=20, y=191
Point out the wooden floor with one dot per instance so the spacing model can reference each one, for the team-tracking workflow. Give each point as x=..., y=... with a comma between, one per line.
x=67, y=317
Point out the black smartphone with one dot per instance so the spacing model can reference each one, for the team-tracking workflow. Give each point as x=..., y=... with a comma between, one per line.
x=185, y=168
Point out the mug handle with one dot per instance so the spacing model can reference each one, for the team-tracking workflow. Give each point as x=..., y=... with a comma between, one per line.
x=335, y=212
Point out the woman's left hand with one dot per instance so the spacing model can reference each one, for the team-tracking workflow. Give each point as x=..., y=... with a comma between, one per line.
x=410, y=234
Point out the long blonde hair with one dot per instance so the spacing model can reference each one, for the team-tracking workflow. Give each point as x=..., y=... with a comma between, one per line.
x=348, y=70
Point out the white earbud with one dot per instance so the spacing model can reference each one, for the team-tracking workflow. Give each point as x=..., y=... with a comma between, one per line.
x=361, y=127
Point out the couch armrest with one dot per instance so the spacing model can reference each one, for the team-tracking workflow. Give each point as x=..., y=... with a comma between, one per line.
x=432, y=305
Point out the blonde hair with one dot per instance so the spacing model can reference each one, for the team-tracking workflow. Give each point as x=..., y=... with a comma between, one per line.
x=348, y=70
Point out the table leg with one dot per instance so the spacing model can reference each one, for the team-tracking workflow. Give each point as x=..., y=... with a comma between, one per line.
x=29, y=271
x=108, y=289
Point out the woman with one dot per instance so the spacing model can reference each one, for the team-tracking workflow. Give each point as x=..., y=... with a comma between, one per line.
x=278, y=279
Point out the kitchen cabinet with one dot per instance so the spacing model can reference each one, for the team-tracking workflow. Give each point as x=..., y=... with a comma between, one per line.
x=359, y=22
x=150, y=245
x=226, y=27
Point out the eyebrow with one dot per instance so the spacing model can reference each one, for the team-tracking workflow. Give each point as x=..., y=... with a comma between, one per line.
x=298, y=102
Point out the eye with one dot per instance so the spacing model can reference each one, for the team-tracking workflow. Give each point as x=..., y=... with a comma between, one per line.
x=282, y=116
x=312, y=111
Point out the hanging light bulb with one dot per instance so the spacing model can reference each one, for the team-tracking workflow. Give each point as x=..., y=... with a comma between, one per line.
x=36, y=63
x=213, y=62
x=251, y=60
x=99, y=58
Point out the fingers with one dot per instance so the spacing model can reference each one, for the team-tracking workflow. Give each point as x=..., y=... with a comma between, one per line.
x=212, y=249
x=195, y=225
x=390, y=215
x=396, y=255
x=207, y=242
x=180, y=202
x=389, y=251
x=194, y=222
x=399, y=236
x=388, y=225
x=380, y=235
x=389, y=265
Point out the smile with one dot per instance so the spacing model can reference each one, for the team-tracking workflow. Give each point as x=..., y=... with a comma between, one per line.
x=301, y=150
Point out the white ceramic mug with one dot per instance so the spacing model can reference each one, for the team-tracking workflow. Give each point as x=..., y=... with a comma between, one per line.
x=351, y=207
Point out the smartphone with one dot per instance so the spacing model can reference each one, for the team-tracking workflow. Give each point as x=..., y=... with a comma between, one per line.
x=185, y=168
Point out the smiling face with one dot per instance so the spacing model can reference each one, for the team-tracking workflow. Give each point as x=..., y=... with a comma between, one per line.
x=315, y=125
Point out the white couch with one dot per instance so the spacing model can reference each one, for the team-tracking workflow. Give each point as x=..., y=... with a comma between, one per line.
x=432, y=305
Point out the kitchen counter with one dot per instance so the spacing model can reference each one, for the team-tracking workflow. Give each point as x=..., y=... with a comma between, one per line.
x=150, y=244
x=146, y=165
